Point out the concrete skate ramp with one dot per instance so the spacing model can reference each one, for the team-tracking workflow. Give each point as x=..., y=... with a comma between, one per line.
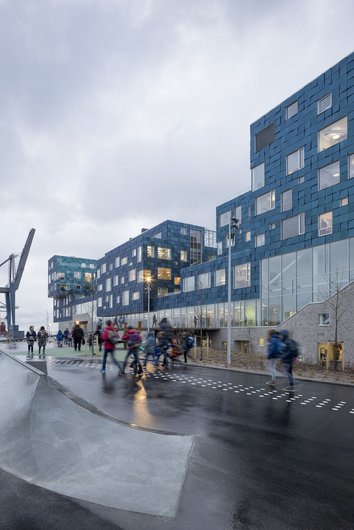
x=48, y=439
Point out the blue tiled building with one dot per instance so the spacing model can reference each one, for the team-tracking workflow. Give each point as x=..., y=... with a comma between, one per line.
x=295, y=238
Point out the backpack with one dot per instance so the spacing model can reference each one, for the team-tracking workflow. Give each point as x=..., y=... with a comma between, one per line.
x=190, y=342
x=112, y=336
x=134, y=340
x=291, y=349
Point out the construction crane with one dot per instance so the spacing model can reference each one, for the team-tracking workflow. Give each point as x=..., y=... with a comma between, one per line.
x=14, y=282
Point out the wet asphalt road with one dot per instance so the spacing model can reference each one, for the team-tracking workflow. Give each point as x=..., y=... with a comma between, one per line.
x=261, y=459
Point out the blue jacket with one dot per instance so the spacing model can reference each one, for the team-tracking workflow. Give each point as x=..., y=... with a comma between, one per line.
x=275, y=347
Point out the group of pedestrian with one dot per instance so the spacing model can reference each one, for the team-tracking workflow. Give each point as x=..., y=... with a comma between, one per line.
x=163, y=344
x=41, y=337
x=281, y=348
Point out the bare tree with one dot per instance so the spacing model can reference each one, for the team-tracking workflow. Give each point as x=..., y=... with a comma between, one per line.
x=90, y=308
x=338, y=305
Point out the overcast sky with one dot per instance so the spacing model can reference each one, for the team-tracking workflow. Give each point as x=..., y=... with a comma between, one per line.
x=119, y=114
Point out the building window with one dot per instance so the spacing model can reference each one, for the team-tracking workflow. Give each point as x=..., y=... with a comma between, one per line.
x=60, y=275
x=124, y=260
x=183, y=255
x=103, y=268
x=163, y=253
x=136, y=295
x=125, y=298
x=257, y=174
x=294, y=226
x=140, y=276
x=88, y=277
x=265, y=202
x=183, y=231
x=110, y=266
x=272, y=226
x=301, y=180
x=115, y=280
x=177, y=280
x=122, y=280
x=332, y=135
x=117, y=262
x=260, y=240
x=77, y=275
x=261, y=341
x=132, y=275
x=99, y=287
x=291, y=110
x=150, y=251
x=344, y=201
x=328, y=175
x=108, y=284
x=242, y=276
x=295, y=161
x=139, y=256
x=204, y=280
x=163, y=273
x=265, y=137
x=162, y=291
x=224, y=219
x=323, y=319
x=324, y=103
x=220, y=278
x=238, y=213
x=134, y=253
x=351, y=167
x=325, y=224
x=219, y=248
x=286, y=200
x=188, y=284
x=158, y=235
x=248, y=236
x=99, y=302
x=118, y=300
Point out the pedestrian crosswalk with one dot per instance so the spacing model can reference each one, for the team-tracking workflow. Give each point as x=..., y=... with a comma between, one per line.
x=215, y=384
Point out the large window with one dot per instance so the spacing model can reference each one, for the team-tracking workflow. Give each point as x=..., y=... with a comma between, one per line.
x=286, y=200
x=188, y=284
x=195, y=252
x=124, y=260
x=328, y=175
x=163, y=273
x=324, y=103
x=291, y=110
x=265, y=137
x=351, y=167
x=260, y=240
x=333, y=134
x=325, y=224
x=132, y=275
x=136, y=295
x=257, y=174
x=294, y=226
x=163, y=253
x=295, y=161
x=220, y=278
x=224, y=218
x=183, y=255
x=117, y=262
x=150, y=251
x=204, y=280
x=162, y=291
x=242, y=276
x=125, y=297
x=265, y=202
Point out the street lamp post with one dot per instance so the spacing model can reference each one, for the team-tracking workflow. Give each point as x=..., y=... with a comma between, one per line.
x=148, y=282
x=233, y=225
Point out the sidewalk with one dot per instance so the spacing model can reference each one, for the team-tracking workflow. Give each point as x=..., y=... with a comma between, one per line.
x=253, y=363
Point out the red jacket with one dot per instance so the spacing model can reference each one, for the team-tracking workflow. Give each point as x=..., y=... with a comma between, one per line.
x=107, y=345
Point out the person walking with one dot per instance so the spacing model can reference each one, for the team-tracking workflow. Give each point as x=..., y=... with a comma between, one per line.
x=78, y=335
x=165, y=336
x=133, y=342
x=42, y=337
x=60, y=338
x=31, y=337
x=275, y=348
x=289, y=354
x=150, y=348
x=109, y=343
x=187, y=344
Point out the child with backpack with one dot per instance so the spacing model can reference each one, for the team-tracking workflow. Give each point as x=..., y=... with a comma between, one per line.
x=188, y=345
x=289, y=354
